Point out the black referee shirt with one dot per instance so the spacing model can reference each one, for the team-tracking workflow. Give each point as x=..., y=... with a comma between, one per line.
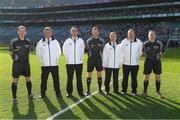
x=153, y=50
x=20, y=49
x=95, y=47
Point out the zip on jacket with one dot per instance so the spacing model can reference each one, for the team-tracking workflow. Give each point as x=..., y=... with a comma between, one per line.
x=111, y=56
x=73, y=50
x=48, y=51
x=131, y=51
x=114, y=55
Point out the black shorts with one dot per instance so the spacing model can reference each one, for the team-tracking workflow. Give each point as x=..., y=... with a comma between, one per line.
x=20, y=68
x=97, y=63
x=150, y=65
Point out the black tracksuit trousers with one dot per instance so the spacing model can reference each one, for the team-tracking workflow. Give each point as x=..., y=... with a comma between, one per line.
x=71, y=68
x=44, y=76
x=108, y=73
x=134, y=72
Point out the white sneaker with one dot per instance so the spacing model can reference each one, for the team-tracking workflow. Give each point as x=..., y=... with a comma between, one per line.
x=134, y=94
x=106, y=93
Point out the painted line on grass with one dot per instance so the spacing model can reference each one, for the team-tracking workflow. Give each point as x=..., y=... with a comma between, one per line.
x=75, y=104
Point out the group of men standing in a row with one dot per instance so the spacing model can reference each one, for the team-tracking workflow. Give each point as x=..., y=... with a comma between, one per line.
x=109, y=56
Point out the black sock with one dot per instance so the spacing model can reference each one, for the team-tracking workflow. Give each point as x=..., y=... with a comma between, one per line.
x=29, y=87
x=14, y=89
x=100, y=82
x=88, y=84
x=146, y=83
x=158, y=84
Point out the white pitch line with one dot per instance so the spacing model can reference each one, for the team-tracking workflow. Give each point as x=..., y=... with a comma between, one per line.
x=74, y=104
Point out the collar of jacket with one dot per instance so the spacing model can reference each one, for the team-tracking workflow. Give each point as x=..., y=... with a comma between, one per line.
x=110, y=43
x=75, y=38
x=44, y=39
x=135, y=40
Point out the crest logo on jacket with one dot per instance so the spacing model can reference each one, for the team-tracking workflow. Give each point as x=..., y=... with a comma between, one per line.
x=110, y=48
x=44, y=44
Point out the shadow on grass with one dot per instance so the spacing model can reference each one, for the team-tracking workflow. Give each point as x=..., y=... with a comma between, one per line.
x=91, y=112
x=128, y=107
x=124, y=107
x=30, y=115
x=52, y=109
x=63, y=105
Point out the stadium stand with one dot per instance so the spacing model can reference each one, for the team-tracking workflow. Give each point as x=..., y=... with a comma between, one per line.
x=46, y=3
x=110, y=15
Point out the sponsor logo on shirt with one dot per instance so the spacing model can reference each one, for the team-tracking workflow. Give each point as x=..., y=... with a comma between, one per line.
x=27, y=46
x=156, y=47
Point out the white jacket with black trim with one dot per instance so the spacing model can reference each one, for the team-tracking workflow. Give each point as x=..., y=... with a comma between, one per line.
x=111, y=55
x=131, y=51
x=73, y=50
x=48, y=52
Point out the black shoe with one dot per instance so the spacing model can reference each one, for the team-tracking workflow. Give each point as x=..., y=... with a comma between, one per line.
x=101, y=92
x=68, y=95
x=116, y=92
x=15, y=100
x=31, y=97
x=81, y=94
x=144, y=94
x=59, y=95
x=87, y=93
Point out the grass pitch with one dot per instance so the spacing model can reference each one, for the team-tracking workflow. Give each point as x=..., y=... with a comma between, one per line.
x=97, y=106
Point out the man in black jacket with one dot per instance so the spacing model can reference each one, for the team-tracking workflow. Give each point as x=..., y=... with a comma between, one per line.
x=20, y=48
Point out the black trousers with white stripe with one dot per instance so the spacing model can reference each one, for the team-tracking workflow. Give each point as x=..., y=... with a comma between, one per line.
x=108, y=73
x=71, y=68
x=134, y=72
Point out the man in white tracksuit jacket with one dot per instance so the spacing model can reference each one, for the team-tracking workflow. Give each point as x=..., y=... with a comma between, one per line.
x=111, y=63
x=49, y=51
x=131, y=49
x=73, y=49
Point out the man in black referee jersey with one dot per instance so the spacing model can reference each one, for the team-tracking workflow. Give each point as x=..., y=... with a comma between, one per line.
x=94, y=46
x=20, y=48
x=152, y=50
